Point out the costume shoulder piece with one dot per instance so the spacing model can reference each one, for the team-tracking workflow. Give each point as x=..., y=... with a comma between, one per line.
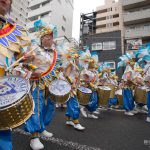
x=13, y=37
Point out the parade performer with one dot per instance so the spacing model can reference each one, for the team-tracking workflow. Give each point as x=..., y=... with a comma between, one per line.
x=71, y=73
x=90, y=76
x=45, y=61
x=113, y=83
x=13, y=43
x=147, y=82
x=127, y=91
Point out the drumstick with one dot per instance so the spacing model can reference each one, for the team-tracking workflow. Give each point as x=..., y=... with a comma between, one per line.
x=20, y=59
x=3, y=85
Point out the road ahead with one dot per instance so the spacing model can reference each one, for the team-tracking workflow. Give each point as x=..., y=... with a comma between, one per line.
x=112, y=131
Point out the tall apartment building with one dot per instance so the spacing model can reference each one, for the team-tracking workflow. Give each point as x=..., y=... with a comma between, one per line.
x=109, y=17
x=101, y=32
x=56, y=12
x=19, y=11
x=136, y=19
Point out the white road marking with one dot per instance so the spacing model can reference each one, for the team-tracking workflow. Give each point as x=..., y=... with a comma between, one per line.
x=61, y=142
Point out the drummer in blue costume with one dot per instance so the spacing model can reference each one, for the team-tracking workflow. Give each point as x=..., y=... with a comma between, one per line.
x=89, y=78
x=147, y=82
x=71, y=74
x=127, y=93
x=45, y=59
x=11, y=38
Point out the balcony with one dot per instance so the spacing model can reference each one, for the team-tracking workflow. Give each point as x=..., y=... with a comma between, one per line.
x=110, y=29
x=39, y=11
x=129, y=4
x=137, y=17
x=36, y=2
x=138, y=33
x=107, y=21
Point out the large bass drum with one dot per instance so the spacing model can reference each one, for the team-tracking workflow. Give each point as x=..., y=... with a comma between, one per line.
x=103, y=95
x=140, y=95
x=83, y=95
x=16, y=104
x=59, y=91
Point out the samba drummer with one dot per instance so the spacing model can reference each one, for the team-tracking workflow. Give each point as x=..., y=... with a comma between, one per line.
x=127, y=91
x=71, y=74
x=147, y=83
x=11, y=48
x=146, y=74
x=88, y=80
x=139, y=89
x=45, y=57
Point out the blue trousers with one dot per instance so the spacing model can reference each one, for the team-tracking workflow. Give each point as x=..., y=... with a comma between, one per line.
x=73, y=109
x=148, y=103
x=93, y=103
x=5, y=140
x=112, y=101
x=43, y=113
x=128, y=100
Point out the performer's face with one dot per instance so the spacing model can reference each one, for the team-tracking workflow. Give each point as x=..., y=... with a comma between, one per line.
x=5, y=6
x=47, y=40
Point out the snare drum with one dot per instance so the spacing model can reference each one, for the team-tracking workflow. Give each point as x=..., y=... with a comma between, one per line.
x=59, y=91
x=140, y=95
x=103, y=94
x=16, y=104
x=83, y=95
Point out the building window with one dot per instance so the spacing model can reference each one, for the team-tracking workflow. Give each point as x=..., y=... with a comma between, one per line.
x=63, y=28
x=59, y=1
x=101, y=19
x=116, y=16
x=45, y=15
x=110, y=45
x=45, y=3
x=97, y=46
x=116, y=24
x=64, y=18
x=109, y=9
x=112, y=65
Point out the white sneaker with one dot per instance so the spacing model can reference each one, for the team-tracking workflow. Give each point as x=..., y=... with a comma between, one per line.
x=92, y=116
x=69, y=123
x=134, y=111
x=83, y=112
x=35, y=144
x=96, y=112
x=145, y=107
x=148, y=119
x=79, y=127
x=46, y=134
x=129, y=113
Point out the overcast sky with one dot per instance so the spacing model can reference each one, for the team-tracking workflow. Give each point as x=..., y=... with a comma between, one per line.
x=83, y=6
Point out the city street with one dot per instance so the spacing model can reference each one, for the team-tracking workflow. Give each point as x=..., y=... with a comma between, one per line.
x=112, y=131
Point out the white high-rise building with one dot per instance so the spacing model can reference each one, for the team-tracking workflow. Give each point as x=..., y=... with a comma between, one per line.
x=57, y=12
x=19, y=11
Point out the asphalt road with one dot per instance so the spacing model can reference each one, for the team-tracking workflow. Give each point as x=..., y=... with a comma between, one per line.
x=112, y=131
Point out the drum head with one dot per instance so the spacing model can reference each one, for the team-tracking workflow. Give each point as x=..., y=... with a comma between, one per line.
x=12, y=89
x=106, y=88
x=59, y=87
x=84, y=90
